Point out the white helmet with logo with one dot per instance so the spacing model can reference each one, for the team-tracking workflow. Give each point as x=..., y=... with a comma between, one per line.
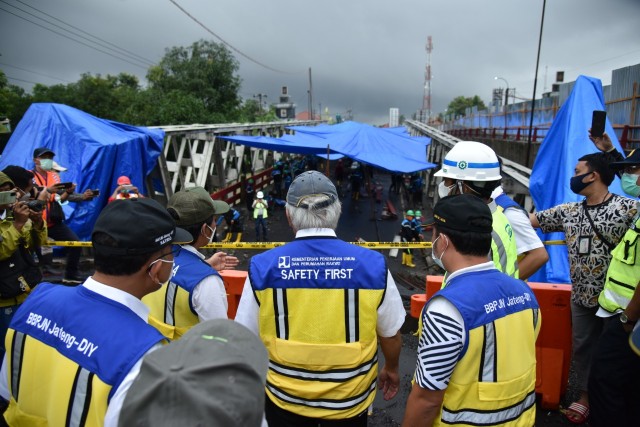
x=470, y=161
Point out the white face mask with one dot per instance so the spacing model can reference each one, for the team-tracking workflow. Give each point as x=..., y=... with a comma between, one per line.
x=168, y=278
x=443, y=190
x=436, y=259
x=213, y=233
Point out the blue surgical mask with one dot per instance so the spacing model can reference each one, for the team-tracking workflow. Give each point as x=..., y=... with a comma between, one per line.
x=576, y=183
x=46, y=164
x=630, y=184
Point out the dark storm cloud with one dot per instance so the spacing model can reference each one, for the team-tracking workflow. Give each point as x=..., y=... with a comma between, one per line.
x=366, y=56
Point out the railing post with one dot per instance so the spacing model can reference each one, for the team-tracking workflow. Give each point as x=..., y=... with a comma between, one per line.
x=518, y=135
x=535, y=134
x=505, y=136
x=625, y=137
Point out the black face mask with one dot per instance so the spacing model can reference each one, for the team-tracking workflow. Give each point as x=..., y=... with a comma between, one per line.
x=576, y=183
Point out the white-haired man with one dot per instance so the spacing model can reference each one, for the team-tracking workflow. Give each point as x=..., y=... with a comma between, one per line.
x=321, y=305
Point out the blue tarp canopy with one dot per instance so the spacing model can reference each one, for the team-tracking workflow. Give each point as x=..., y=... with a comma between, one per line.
x=95, y=151
x=391, y=149
x=566, y=141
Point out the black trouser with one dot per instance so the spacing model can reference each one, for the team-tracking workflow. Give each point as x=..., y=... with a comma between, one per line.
x=614, y=382
x=278, y=417
x=61, y=232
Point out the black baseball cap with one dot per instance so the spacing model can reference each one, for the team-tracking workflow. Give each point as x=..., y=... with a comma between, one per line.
x=460, y=212
x=139, y=226
x=633, y=159
x=39, y=152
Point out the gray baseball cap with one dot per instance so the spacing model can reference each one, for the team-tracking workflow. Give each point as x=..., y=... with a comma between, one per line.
x=214, y=375
x=311, y=183
x=194, y=205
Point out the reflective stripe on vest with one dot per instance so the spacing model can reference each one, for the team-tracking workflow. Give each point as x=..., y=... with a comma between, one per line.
x=335, y=375
x=16, y=362
x=504, y=251
x=80, y=398
x=282, y=313
x=488, y=366
x=475, y=417
x=170, y=304
x=333, y=404
x=623, y=274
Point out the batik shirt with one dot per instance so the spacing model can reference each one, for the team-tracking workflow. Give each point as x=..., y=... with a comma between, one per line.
x=589, y=256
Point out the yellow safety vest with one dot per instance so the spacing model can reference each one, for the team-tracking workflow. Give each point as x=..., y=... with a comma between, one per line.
x=493, y=383
x=624, y=272
x=56, y=381
x=504, y=251
x=329, y=371
x=170, y=311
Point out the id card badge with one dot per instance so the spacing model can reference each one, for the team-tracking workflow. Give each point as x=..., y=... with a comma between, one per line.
x=584, y=245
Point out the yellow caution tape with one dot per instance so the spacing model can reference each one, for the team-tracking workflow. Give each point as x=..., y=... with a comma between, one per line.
x=270, y=245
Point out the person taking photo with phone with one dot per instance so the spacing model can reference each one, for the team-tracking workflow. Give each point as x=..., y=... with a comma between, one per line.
x=125, y=190
x=56, y=193
x=21, y=229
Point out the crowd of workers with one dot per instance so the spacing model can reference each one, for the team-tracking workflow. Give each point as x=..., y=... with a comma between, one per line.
x=150, y=323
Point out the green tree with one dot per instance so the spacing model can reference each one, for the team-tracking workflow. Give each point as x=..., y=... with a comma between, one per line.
x=460, y=104
x=205, y=71
x=14, y=101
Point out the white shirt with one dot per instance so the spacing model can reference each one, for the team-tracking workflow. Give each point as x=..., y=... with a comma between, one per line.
x=135, y=305
x=209, y=297
x=526, y=237
x=391, y=312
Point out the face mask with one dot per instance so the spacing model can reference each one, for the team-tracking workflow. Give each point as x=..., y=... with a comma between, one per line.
x=46, y=164
x=213, y=233
x=438, y=260
x=629, y=184
x=168, y=278
x=576, y=183
x=443, y=190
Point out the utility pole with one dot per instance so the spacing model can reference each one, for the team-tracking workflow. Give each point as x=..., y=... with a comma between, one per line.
x=310, y=96
x=260, y=96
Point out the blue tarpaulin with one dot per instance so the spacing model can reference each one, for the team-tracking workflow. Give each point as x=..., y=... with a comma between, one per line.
x=95, y=151
x=566, y=141
x=391, y=149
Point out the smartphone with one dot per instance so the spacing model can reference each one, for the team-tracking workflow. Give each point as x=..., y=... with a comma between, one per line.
x=598, y=122
x=66, y=185
x=7, y=197
x=95, y=192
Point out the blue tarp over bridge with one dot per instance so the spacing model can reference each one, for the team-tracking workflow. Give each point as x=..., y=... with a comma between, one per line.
x=95, y=151
x=391, y=149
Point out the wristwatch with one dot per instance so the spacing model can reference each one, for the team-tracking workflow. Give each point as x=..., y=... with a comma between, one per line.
x=625, y=320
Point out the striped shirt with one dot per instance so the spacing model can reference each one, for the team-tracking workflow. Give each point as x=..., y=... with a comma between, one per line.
x=442, y=339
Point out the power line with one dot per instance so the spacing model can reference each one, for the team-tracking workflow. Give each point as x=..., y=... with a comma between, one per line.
x=21, y=80
x=35, y=72
x=131, y=54
x=74, y=40
x=193, y=18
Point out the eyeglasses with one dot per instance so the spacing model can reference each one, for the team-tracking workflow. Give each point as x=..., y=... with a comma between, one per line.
x=632, y=169
x=175, y=251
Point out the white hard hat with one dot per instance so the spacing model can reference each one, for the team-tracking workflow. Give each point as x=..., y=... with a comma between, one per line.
x=355, y=165
x=470, y=161
x=260, y=195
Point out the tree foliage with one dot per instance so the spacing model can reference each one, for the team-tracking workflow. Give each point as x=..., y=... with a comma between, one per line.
x=460, y=104
x=194, y=84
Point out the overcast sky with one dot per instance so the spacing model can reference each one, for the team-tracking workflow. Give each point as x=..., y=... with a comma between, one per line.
x=365, y=55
